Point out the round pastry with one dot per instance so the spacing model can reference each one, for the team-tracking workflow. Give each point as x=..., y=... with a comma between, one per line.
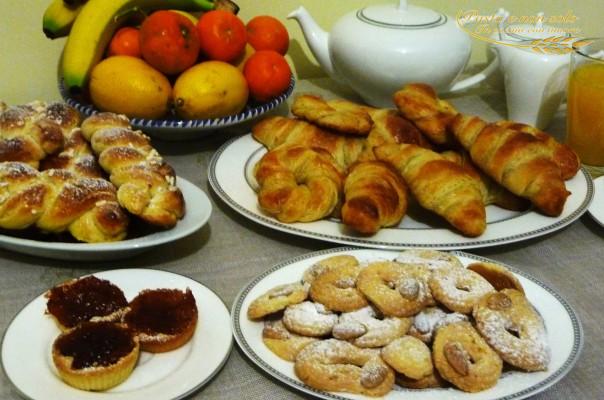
x=497, y=275
x=432, y=259
x=309, y=319
x=463, y=358
x=395, y=289
x=409, y=356
x=276, y=299
x=338, y=366
x=163, y=319
x=510, y=324
x=363, y=328
x=95, y=355
x=336, y=289
x=283, y=343
x=458, y=289
x=85, y=299
x=326, y=264
x=428, y=320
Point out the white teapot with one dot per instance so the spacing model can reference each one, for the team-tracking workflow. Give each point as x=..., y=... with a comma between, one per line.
x=378, y=49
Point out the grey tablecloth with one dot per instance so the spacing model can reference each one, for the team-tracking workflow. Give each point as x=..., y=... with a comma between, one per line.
x=230, y=250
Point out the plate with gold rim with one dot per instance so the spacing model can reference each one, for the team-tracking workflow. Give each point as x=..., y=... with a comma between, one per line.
x=231, y=176
x=27, y=343
x=564, y=333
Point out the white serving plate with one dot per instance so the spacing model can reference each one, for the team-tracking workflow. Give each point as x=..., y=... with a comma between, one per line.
x=231, y=176
x=198, y=213
x=27, y=346
x=564, y=331
x=596, y=209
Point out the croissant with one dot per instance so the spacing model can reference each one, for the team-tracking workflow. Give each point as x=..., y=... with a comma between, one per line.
x=375, y=196
x=495, y=193
x=146, y=184
x=57, y=201
x=521, y=162
x=565, y=157
x=440, y=185
x=298, y=184
x=419, y=103
x=339, y=115
x=26, y=136
x=276, y=131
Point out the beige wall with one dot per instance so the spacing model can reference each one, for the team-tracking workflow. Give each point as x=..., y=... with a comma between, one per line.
x=28, y=61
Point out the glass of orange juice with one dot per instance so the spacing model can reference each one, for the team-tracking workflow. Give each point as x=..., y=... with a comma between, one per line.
x=585, y=113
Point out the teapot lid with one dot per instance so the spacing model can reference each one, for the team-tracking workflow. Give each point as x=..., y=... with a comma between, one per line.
x=401, y=16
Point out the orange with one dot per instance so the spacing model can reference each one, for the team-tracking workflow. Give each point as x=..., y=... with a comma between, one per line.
x=267, y=74
x=125, y=42
x=169, y=42
x=222, y=35
x=267, y=33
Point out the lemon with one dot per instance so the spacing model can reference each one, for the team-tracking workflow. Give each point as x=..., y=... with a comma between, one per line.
x=211, y=89
x=128, y=85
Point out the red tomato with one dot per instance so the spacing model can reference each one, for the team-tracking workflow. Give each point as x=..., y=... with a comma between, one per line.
x=125, y=42
x=169, y=42
x=267, y=33
x=267, y=74
x=221, y=35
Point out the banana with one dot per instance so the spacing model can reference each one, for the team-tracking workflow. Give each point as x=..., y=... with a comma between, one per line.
x=58, y=18
x=94, y=27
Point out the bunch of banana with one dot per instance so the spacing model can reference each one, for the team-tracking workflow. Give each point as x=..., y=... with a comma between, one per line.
x=90, y=25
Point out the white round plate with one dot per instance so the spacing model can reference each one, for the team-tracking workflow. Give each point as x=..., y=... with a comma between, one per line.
x=564, y=331
x=173, y=128
x=596, y=209
x=198, y=213
x=231, y=177
x=27, y=343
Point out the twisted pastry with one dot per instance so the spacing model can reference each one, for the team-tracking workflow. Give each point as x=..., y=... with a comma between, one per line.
x=440, y=185
x=76, y=157
x=298, y=184
x=25, y=135
x=375, y=197
x=419, y=103
x=338, y=115
x=277, y=131
x=145, y=182
x=522, y=162
x=57, y=201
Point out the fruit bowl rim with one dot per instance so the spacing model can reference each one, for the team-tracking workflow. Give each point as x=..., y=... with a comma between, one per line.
x=252, y=110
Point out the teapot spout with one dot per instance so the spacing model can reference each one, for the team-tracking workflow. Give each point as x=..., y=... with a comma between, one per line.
x=316, y=38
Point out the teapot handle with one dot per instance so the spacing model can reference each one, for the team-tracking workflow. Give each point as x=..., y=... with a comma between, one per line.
x=479, y=77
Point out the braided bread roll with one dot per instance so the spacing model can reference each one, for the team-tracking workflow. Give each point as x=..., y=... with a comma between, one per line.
x=76, y=156
x=375, y=196
x=520, y=161
x=26, y=136
x=146, y=183
x=440, y=185
x=298, y=184
x=277, y=131
x=57, y=201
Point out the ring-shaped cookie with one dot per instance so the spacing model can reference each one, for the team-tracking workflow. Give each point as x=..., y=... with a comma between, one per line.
x=276, y=299
x=464, y=358
x=510, y=324
x=364, y=328
x=409, y=356
x=432, y=259
x=338, y=366
x=458, y=289
x=395, y=289
x=336, y=289
x=283, y=343
x=309, y=319
x=327, y=264
x=428, y=320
